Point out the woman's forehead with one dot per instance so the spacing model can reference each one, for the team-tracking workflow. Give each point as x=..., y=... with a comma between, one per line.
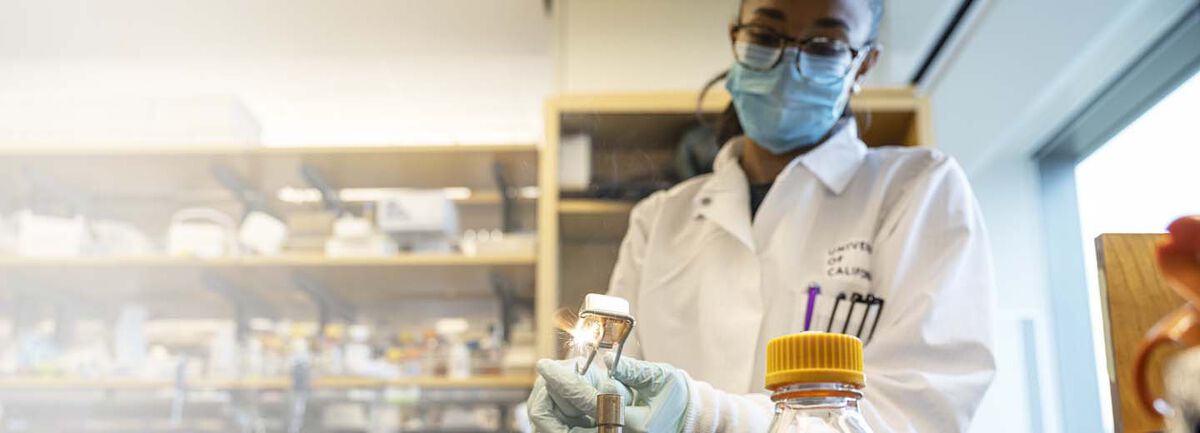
x=800, y=16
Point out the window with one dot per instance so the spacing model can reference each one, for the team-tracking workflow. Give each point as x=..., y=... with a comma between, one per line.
x=1139, y=182
x=1125, y=163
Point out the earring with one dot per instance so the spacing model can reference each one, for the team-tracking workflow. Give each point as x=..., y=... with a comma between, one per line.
x=856, y=88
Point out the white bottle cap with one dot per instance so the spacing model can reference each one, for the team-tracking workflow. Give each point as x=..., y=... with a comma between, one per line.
x=604, y=304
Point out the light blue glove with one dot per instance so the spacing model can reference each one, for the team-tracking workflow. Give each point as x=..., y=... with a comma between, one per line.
x=562, y=401
x=659, y=403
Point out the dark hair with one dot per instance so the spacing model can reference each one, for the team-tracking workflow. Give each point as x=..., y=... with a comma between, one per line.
x=728, y=126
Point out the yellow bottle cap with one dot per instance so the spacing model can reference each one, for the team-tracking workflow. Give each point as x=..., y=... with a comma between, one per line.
x=815, y=357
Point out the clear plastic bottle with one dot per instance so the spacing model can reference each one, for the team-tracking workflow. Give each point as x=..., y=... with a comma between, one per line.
x=817, y=382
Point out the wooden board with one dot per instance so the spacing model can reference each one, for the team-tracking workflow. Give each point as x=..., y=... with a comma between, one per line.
x=594, y=207
x=546, y=283
x=1134, y=297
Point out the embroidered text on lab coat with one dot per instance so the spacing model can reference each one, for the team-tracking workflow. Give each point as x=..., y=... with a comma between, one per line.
x=850, y=260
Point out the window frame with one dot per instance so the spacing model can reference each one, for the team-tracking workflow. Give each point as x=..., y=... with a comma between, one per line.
x=1150, y=78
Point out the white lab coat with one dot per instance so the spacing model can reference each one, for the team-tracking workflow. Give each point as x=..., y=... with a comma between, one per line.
x=709, y=288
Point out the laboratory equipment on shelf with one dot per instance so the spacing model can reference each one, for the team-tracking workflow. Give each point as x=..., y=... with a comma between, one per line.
x=261, y=231
x=358, y=237
x=604, y=323
x=111, y=238
x=419, y=220
x=201, y=232
x=458, y=357
x=817, y=382
x=495, y=242
x=575, y=162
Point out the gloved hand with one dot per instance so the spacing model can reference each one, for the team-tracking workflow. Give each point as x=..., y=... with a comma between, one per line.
x=563, y=401
x=659, y=403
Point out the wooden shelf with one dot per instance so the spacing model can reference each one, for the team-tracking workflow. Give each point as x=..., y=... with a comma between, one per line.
x=652, y=123
x=185, y=173
x=182, y=287
x=314, y=261
x=594, y=207
x=474, y=382
x=27, y=383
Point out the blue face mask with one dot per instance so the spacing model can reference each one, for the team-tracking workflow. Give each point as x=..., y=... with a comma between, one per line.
x=781, y=110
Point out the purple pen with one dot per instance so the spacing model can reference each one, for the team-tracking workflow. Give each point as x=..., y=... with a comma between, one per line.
x=813, y=291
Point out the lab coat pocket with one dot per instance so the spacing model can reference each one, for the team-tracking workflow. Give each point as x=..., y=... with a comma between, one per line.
x=849, y=313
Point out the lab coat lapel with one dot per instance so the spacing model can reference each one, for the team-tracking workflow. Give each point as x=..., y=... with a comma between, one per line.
x=725, y=198
x=832, y=163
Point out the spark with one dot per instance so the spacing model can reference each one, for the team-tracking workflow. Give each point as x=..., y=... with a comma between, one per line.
x=585, y=334
x=579, y=335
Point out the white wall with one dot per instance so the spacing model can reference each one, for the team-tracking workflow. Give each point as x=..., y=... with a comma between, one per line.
x=631, y=45
x=309, y=71
x=369, y=71
x=1008, y=194
x=642, y=45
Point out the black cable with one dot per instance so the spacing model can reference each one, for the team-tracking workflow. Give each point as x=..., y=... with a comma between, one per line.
x=947, y=34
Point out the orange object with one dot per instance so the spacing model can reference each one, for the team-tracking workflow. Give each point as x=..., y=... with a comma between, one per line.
x=1179, y=262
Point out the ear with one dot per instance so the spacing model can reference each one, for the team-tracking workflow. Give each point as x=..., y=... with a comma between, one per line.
x=868, y=63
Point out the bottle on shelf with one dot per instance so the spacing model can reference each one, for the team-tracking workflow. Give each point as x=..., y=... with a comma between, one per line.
x=358, y=359
x=458, y=355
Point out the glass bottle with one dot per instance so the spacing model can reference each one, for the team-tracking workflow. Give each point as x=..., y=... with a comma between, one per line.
x=817, y=383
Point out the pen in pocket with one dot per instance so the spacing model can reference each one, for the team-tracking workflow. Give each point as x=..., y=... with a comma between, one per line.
x=813, y=291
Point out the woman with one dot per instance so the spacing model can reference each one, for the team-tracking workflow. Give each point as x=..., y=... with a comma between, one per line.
x=720, y=264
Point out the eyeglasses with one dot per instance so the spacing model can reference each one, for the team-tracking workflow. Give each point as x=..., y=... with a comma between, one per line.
x=819, y=59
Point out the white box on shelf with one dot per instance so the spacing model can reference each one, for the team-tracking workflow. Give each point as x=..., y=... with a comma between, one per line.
x=419, y=220
x=575, y=162
x=416, y=211
x=49, y=236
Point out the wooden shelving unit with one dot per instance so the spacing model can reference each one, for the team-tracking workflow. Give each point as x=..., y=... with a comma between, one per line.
x=635, y=134
x=145, y=185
